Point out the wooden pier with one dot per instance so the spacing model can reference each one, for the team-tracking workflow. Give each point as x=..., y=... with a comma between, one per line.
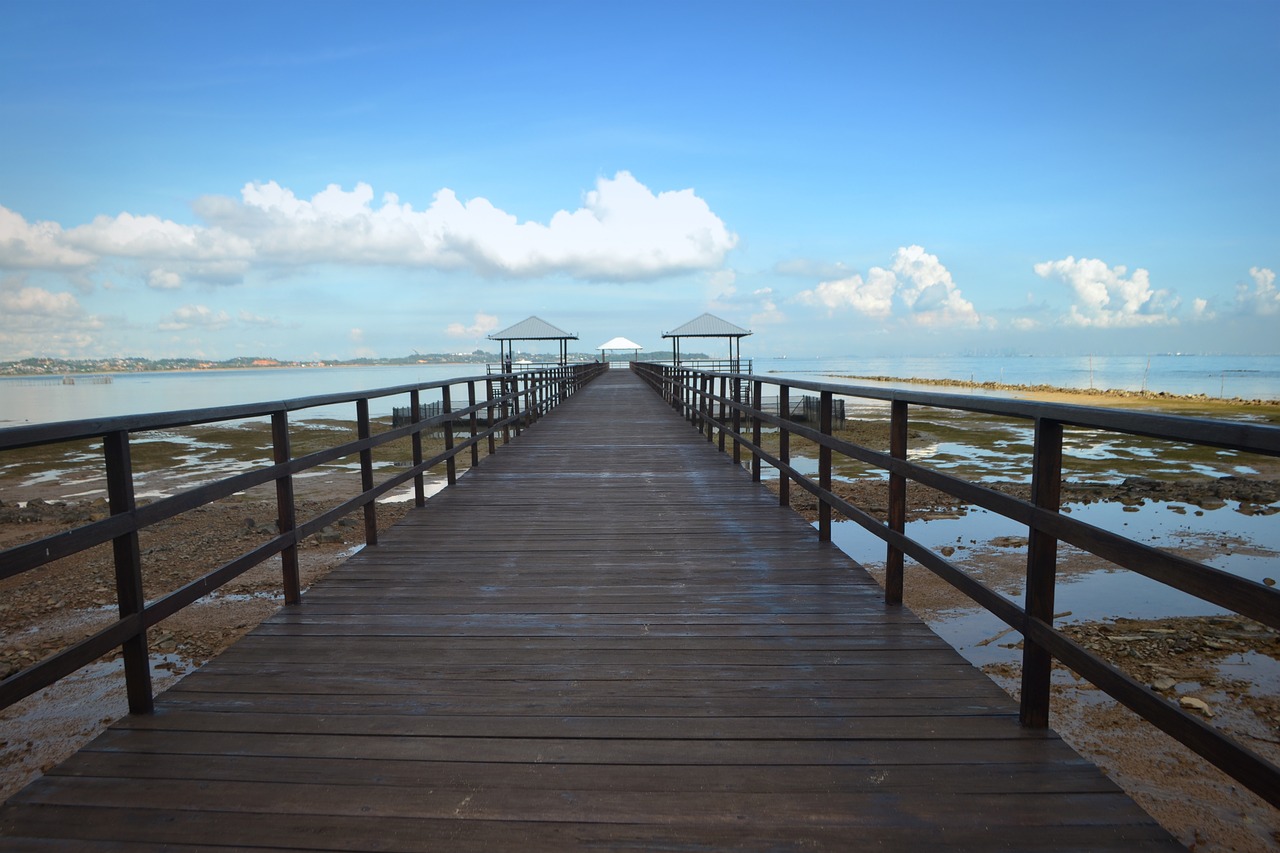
x=604, y=637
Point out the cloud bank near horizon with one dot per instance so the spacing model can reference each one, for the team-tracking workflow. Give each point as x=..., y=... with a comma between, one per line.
x=622, y=232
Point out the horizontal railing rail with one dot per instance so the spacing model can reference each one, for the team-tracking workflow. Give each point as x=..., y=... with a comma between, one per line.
x=719, y=404
x=511, y=402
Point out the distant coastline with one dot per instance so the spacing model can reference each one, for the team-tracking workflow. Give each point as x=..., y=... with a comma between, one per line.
x=132, y=364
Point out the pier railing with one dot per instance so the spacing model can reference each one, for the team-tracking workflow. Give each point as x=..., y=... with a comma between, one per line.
x=510, y=402
x=727, y=408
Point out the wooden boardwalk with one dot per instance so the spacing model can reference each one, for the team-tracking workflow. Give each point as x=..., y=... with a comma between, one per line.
x=605, y=637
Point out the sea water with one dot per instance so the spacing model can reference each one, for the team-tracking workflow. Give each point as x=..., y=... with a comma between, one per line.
x=25, y=402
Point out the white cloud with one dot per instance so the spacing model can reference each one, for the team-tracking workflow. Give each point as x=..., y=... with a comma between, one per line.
x=928, y=290
x=130, y=236
x=721, y=285
x=872, y=296
x=162, y=279
x=1106, y=297
x=356, y=336
x=41, y=245
x=39, y=322
x=623, y=231
x=250, y=319
x=195, y=316
x=1264, y=298
x=767, y=312
x=483, y=325
x=1200, y=309
x=37, y=302
x=917, y=282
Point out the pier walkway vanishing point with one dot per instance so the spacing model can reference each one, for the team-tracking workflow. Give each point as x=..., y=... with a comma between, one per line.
x=604, y=637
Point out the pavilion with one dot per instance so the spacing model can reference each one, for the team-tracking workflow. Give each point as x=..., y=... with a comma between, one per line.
x=710, y=326
x=531, y=329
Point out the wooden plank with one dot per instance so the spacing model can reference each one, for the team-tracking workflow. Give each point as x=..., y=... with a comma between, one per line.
x=606, y=636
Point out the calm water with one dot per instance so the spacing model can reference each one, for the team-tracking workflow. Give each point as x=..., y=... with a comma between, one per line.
x=24, y=401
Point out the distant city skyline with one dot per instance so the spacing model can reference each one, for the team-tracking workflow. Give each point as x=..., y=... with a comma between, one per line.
x=330, y=181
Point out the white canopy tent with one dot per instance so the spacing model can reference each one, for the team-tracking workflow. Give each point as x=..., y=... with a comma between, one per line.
x=619, y=345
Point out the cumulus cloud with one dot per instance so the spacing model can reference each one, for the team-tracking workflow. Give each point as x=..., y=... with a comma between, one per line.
x=36, y=321
x=1108, y=297
x=872, y=296
x=37, y=302
x=1264, y=297
x=767, y=311
x=916, y=282
x=483, y=325
x=622, y=231
x=195, y=317
x=38, y=245
x=162, y=279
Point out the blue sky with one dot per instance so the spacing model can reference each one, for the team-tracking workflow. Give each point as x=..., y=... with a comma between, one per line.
x=328, y=180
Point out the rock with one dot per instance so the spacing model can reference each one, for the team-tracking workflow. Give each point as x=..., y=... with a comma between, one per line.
x=1269, y=581
x=1164, y=683
x=947, y=551
x=1191, y=703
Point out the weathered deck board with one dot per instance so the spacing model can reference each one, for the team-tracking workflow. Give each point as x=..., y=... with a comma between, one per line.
x=604, y=637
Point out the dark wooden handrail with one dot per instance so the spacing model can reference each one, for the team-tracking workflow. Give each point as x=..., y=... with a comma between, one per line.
x=719, y=411
x=513, y=401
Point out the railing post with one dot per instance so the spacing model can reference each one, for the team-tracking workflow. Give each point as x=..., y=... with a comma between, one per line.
x=824, y=470
x=1042, y=558
x=415, y=443
x=723, y=418
x=285, y=508
x=784, y=445
x=737, y=420
x=708, y=412
x=515, y=404
x=366, y=472
x=897, y=502
x=450, y=464
x=471, y=403
x=128, y=564
x=757, y=388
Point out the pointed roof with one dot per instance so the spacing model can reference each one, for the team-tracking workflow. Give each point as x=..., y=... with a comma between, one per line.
x=620, y=343
x=533, y=329
x=708, y=326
